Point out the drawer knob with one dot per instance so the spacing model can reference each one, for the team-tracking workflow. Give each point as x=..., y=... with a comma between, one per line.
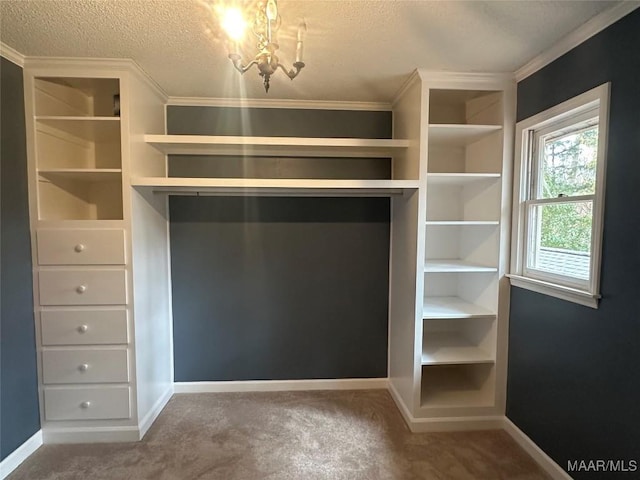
x=79, y=248
x=85, y=405
x=83, y=328
x=81, y=288
x=83, y=367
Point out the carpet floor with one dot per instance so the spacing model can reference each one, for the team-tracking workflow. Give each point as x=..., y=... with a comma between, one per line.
x=328, y=435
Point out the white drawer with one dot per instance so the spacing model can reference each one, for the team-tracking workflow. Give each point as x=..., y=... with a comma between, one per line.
x=83, y=287
x=83, y=327
x=95, y=403
x=81, y=247
x=85, y=366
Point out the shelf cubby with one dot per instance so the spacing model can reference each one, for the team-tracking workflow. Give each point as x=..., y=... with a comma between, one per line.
x=475, y=292
x=447, y=386
x=452, y=307
x=465, y=107
x=76, y=97
x=472, y=243
x=458, y=341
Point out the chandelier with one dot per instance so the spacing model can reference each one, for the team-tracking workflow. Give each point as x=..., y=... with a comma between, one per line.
x=265, y=27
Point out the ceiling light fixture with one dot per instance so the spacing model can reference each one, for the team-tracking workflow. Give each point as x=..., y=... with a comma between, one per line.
x=265, y=28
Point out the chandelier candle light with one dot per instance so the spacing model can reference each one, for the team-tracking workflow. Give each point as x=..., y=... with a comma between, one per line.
x=265, y=28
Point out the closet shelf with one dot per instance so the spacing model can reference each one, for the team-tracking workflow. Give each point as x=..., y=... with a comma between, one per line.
x=94, y=129
x=449, y=348
x=458, y=134
x=459, y=178
x=91, y=175
x=448, y=223
x=276, y=187
x=452, y=308
x=455, y=266
x=276, y=146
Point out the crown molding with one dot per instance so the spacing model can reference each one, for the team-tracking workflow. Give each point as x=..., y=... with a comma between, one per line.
x=583, y=32
x=11, y=54
x=112, y=64
x=275, y=103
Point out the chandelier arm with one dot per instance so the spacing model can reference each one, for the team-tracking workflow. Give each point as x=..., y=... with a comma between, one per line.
x=237, y=63
x=292, y=73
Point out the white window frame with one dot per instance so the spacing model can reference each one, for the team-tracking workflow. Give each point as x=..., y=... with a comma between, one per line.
x=595, y=102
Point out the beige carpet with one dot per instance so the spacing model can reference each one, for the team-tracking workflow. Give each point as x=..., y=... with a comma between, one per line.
x=354, y=435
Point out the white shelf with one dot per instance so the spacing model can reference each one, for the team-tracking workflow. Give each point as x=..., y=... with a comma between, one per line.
x=448, y=386
x=452, y=307
x=276, y=146
x=455, y=266
x=449, y=223
x=84, y=174
x=459, y=178
x=94, y=129
x=274, y=187
x=450, y=348
x=458, y=134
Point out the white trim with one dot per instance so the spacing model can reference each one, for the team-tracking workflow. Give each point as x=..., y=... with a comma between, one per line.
x=153, y=413
x=444, y=424
x=90, y=434
x=275, y=103
x=575, y=38
x=20, y=454
x=11, y=54
x=545, y=461
x=554, y=290
x=282, y=385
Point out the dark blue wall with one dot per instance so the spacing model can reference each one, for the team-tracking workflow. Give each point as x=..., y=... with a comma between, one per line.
x=279, y=288
x=19, y=417
x=574, y=372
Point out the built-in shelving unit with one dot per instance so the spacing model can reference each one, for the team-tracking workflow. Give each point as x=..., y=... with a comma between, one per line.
x=465, y=130
x=78, y=148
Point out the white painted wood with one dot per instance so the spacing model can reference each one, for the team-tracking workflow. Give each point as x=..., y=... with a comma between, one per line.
x=20, y=454
x=448, y=386
x=462, y=222
x=155, y=411
x=88, y=175
x=54, y=434
x=91, y=129
x=11, y=54
x=453, y=307
x=82, y=287
x=459, y=134
x=84, y=365
x=459, y=178
x=451, y=348
x=455, y=266
x=282, y=385
x=278, y=103
x=81, y=247
x=275, y=146
x=84, y=327
x=545, y=461
x=271, y=187
x=553, y=290
x=71, y=403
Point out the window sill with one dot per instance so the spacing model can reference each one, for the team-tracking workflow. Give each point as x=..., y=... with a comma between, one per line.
x=564, y=293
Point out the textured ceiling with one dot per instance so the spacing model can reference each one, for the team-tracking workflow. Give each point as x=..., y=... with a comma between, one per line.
x=359, y=50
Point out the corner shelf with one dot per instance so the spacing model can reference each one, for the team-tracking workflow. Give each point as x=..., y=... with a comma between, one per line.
x=451, y=348
x=276, y=146
x=435, y=308
x=442, y=134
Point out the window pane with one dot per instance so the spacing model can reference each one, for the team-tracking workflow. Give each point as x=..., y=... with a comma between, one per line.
x=569, y=163
x=560, y=238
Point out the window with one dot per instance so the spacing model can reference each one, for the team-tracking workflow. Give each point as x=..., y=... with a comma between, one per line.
x=558, y=198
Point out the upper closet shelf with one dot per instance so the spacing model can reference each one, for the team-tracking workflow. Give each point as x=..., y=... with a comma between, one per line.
x=276, y=187
x=459, y=134
x=276, y=146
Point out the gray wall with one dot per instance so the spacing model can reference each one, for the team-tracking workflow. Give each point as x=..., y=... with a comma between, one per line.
x=279, y=288
x=574, y=376
x=19, y=415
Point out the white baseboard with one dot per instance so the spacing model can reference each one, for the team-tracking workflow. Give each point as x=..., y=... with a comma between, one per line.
x=90, y=434
x=445, y=424
x=153, y=413
x=282, y=385
x=545, y=461
x=20, y=454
